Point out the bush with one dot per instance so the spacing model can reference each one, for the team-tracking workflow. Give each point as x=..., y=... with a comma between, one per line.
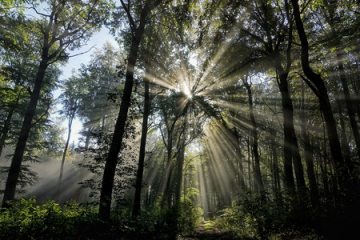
x=26, y=219
x=237, y=222
x=190, y=217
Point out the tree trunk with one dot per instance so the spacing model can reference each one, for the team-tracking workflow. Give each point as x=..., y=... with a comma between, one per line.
x=71, y=118
x=5, y=130
x=249, y=163
x=239, y=160
x=308, y=153
x=112, y=158
x=14, y=172
x=343, y=138
x=288, y=132
x=168, y=171
x=7, y=124
x=320, y=90
x=111, y=161
x=179, y=174
x=140, y=170
x=259, y=186
x=349, y=104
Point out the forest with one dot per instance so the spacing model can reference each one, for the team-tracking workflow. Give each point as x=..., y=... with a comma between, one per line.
x=207, y=119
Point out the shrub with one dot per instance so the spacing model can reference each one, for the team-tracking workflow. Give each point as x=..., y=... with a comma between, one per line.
x=26, y=219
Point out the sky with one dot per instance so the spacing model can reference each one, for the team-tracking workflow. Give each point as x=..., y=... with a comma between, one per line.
x=96, y=42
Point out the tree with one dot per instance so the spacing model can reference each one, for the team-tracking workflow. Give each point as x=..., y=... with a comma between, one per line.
x=62, y=27
x=71, y=101
x=317, y=85
x=137, y=31
x=258, y=183
x=335, y=37
x=144, y=130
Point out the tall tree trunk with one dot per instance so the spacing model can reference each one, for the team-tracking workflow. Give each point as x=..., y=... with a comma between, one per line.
x=343, y=138
x=5, y=130
x=7, y=124
x=289, y=146
x=249, y=163
x=340, y=54
x=308, y=153
x=14, y=172
x=111, y=160
x=140, y=170
x=117, y=139
x=179, y=174
x=168, y=171
x=275, y=167
x=259, y=186
x=316, y=83
x=87, y=139
x=71, y=118
x=349, y=104
x=239, y=160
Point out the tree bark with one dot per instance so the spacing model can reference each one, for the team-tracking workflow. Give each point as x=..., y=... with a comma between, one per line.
x=71, y=118
x=179, y=175
x=318, y=86
x=15, y=167
x=239, y=160
x=309, y=155
x=115, y=147
x=112, y=158
x=5, y=130
x=349, y=104
x=343, y=138
x=140, y=170
x=259, y=186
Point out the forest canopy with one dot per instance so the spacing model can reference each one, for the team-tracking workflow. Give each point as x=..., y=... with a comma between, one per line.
x=224, y=119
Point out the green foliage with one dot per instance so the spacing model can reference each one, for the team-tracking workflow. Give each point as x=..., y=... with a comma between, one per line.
x=237, y=222
x=259, y=215
x=26, y=219
x=190, y=217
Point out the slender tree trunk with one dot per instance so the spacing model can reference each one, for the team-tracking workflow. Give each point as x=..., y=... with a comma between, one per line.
x=5, y=130
x=349, y=104
x=7, y=124
x=168, y=171
x=275, y=167
x=179, y=174
x=140, y=170
x=115, y=147
x=343, y=138
x=249, y=163
x=15, y=166
x=320, y=90
x=259, y=186
x=117, y=139
x=288, y=133
x=309, y=155
x=87, y=140
x=239, y=160
x=71, y=118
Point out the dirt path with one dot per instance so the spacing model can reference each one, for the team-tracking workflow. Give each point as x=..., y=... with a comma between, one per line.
x=207, y=231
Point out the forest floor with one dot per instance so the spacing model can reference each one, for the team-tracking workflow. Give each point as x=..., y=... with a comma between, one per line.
x=208, y=231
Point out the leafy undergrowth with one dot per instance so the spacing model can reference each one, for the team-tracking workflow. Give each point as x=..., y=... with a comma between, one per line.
x=27, y=219
x=260, y=216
